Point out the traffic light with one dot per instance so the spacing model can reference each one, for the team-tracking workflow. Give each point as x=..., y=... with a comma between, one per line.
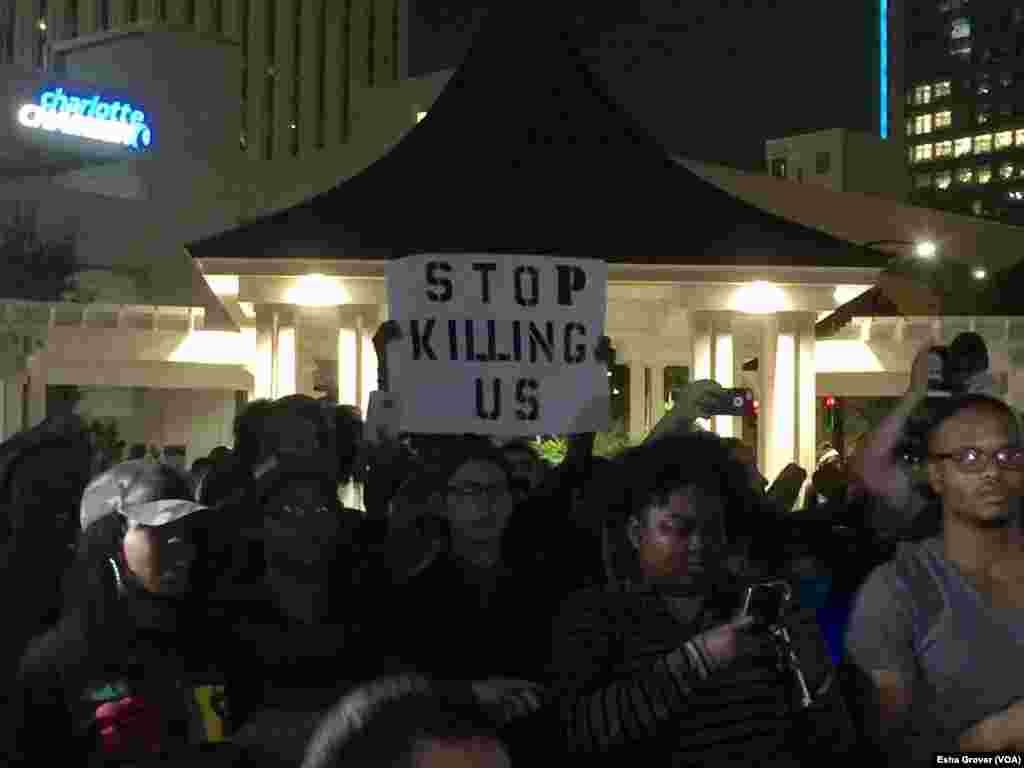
x=830, y=413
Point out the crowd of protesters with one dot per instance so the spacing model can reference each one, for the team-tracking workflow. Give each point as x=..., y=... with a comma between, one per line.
x=485, y=608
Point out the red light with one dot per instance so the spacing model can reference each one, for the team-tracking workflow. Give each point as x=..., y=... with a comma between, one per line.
x=830, y=402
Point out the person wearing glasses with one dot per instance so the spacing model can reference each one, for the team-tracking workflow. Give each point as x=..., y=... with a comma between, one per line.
x=939, y=628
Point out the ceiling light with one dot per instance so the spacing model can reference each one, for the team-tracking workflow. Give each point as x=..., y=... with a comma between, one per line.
x=760, y=298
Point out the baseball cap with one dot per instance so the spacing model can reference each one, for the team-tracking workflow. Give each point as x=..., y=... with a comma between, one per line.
x=142, y=492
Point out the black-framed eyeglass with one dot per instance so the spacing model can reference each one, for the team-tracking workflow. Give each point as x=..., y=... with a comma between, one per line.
x=977, y=460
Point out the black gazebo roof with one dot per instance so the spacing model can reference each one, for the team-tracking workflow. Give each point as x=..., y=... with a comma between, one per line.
x=526, y=152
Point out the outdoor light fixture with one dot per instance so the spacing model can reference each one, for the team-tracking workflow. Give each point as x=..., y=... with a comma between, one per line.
x=760, y=298
x=420, y=116
x=317, y=291
x=42, y=25
x=979, y=273
x=925, y=249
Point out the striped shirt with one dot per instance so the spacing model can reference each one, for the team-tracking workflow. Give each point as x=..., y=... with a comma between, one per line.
x=629, y=684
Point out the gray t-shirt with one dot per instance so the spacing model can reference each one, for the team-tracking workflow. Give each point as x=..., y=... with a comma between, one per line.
x=919, y=617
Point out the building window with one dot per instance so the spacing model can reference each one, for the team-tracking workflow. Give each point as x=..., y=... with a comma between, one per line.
x=961, y=48
x=822, y=162
x=1006, y=171
x=977, y=208
x=1003, y=139
x=1018, y=136
x=962, y=147
x=960, y=28
x=983, y=143
x=910, y=127
x=943, y=179
x=922, y=94
x=922, y=152
x=943, y=148
x=943, y=119
x=779, y=167
x=910, y=154
x=923, y=124
x=984, y=87
x=945, y=6
x=942, y=89
x=1006, y=79
x=983, y=116
x=984, y=174
x=964, y=175
x=923, y=181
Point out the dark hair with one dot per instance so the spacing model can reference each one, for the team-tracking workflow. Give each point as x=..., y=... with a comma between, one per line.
x=384, y=722
x=201, y=464
x=471, y=448
x=250, y=431
x=649, y=474
x=944, y=409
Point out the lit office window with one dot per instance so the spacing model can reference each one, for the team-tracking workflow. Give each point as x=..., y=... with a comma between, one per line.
x=943, y=148
x=910, y=127
x=922, y=94
x=910, y=154
x=962, y=147
x=961, y=48
x=1018, y=136
x=942, y=89
x=964, y=175
x=984, y=117
x=923, y=124
x=983, y=143
x=984, y=87
x=960, y=28
x=910, y=96
x=923, y=181
x=984, y=174
x=977, y=208
x=922, y=152
x=943, y=179
x=1003, y=139
x=943, y=119
x=1006, y=171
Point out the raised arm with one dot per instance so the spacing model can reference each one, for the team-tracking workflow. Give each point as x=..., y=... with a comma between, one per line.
x=877, y=466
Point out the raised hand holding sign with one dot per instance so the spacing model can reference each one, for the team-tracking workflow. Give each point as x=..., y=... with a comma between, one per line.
x=502, y=346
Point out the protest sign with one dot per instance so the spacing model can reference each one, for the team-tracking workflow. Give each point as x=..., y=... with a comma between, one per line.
x=498, y=345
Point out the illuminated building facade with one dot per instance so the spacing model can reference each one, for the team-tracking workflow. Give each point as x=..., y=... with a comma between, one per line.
x=964, y=102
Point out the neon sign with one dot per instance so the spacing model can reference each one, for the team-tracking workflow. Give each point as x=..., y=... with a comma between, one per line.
x=110, y=122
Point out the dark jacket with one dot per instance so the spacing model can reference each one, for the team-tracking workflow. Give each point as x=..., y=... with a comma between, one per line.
x=627, y=687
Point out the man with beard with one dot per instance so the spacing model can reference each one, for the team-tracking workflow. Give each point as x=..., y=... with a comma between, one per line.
x=663, y=663
x=937, y=628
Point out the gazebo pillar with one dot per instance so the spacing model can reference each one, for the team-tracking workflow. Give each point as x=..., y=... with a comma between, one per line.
x=788, y=393
x=714, y=358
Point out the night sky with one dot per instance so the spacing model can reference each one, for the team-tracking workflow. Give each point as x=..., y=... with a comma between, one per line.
x=711, y=80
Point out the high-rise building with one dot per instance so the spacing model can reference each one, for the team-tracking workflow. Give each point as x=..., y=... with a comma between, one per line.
x=964, y=101
x=299, y=57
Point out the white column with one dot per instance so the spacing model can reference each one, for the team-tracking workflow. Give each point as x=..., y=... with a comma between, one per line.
x=637, y=417
x=287, y=361
x=657, y=404
x=367, y=368
x=348, y=357
x=766, y=374
x=263, y=373
x=701, y=335
x=724, y=371
x=788, y=401
x=807, y=391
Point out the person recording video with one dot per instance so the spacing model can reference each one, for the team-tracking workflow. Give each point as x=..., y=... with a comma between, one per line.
x=663, y=661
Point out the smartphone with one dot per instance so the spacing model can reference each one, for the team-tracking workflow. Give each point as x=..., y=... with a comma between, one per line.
x=383, y=417
x=734, y=402
x=766, y=602
x=939, y=375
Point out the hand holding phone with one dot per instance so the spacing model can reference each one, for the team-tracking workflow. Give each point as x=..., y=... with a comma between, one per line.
x=732, y=402
x=765, y=603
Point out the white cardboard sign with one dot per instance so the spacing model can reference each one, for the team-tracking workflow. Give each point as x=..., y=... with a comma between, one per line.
x=498, y=345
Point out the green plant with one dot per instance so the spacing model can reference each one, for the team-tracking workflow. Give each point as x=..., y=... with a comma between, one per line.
x=552, y=450
x=613, y=442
